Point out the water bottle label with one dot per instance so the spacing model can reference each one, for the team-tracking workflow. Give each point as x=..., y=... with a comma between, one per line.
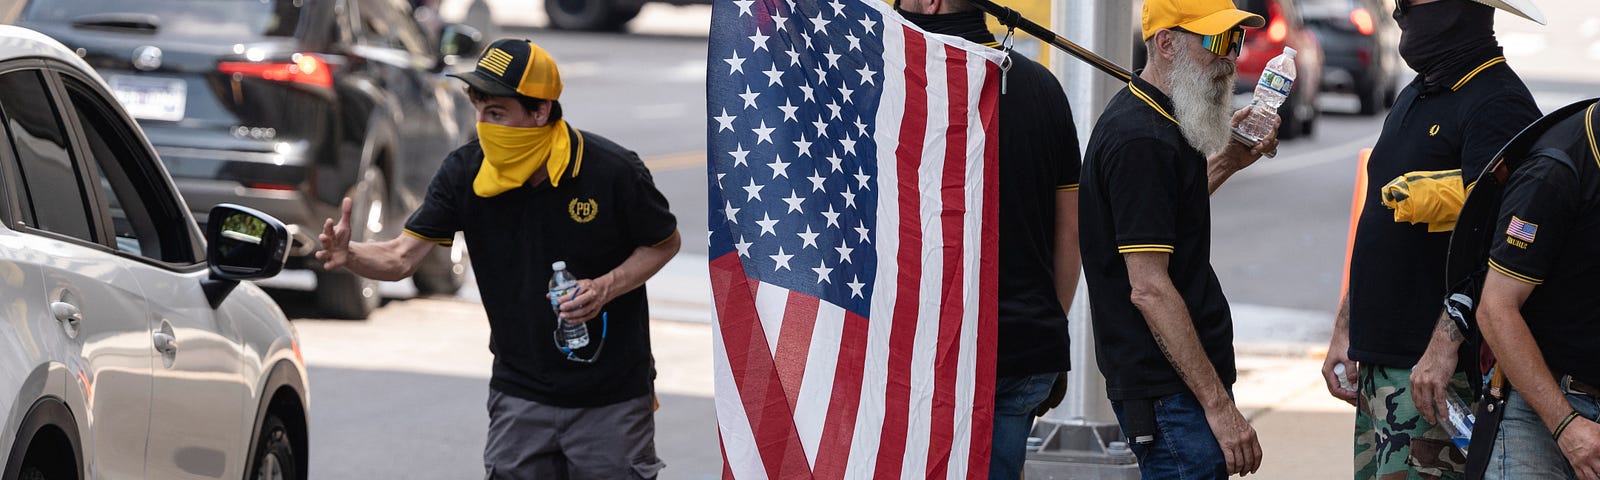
x=1276, y=82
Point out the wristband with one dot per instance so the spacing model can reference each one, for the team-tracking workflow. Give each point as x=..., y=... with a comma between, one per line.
x=1563, y=426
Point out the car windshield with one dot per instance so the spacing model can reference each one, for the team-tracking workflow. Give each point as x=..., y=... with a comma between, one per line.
x=207, y=19
x=1326, y=9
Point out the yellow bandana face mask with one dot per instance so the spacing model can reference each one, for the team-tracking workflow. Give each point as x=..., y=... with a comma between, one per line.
x=512, y=154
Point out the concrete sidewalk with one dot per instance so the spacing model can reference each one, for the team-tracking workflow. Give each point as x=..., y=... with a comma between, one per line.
x=1305, y=433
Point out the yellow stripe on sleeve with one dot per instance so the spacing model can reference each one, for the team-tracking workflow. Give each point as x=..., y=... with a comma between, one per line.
x=1067, y=188
x=1158, y=248
x=441, y=241
x=1514, y=275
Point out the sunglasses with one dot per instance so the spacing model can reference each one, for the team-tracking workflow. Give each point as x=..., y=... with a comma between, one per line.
x=1225, y=43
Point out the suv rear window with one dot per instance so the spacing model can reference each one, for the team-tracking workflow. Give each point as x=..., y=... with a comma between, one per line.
x=209, y=19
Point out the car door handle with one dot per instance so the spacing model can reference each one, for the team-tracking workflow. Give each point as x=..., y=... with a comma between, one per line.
x=69, y=316
x=165, y=343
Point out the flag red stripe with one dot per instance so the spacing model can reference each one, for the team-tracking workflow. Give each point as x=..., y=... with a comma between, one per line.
x=988, y=271
x=947, y=353
x=794, y=343
x=833, y=452
x=760, y=389
x=908, y=281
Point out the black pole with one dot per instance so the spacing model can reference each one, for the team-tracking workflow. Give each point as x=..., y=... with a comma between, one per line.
x=1011, y=18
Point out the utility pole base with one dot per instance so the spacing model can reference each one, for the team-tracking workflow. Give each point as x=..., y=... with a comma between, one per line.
x=1079, y=451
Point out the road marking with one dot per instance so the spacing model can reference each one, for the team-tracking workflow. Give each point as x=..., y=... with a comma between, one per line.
x=678, y=161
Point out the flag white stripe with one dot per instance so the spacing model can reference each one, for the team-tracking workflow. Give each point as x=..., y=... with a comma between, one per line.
x=930, y=180
x=885, y=131
x=738, y=441
x=771, y=301
x=816, y=390
x=960, y=454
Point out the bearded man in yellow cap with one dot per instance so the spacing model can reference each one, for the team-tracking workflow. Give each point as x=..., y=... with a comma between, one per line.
x=532, y=193
x=1163, y=331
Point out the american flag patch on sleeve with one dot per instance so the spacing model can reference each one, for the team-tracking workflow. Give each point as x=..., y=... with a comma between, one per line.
x=1521, y=230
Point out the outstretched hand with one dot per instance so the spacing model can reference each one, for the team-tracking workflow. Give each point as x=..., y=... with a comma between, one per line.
x=335, y=239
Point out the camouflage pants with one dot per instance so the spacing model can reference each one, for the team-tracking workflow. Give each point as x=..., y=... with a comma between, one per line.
x=1393, y=441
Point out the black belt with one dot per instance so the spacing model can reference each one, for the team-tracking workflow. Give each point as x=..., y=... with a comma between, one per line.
x=1573, y=385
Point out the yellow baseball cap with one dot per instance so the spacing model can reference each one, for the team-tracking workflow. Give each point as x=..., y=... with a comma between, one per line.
x=512, y=67
x=1205, y=17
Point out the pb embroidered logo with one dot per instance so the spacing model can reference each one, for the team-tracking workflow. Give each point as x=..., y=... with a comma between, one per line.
x=583, y=211
x=1433, y=131
x=1521, y=233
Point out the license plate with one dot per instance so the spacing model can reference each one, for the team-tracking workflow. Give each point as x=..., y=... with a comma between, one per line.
x=150, y=98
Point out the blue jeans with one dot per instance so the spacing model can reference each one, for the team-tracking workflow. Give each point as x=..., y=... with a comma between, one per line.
x=1015, y=398
x=1182, y=446
x=1533, y=453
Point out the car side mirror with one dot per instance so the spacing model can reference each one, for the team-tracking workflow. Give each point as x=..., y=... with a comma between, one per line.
x=456, y=41
x=244, y=244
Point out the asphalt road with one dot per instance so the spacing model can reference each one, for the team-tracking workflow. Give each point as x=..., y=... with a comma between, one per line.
x=402, y=395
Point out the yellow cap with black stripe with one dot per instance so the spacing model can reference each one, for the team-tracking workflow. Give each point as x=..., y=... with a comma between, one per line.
x=514, y=67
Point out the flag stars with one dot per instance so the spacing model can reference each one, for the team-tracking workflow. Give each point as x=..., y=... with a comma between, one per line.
x=744, y=7
x=816, y=184
x=820, y=24
x=834, y=159
x=767, y=225
x=810, y=93
x=862, y=177
x=780, y=20
x=753, y=191
x=781, y=260
x=730, y=211
x=822, y=75
x=749, y=97
x=864, y=232
x=759, y=40
x=833, y=108
x=822, y=272
x=743, y=247
x=861, y=128
x=788, y=111
x=735, y=64
x=794, y=57
x=808, y=238
x=833, y=58
x=845, y=92
x=855, y=42
x=794, y=202
x=822, y=127
x=867, y=75
x=849, y=197
x=763, y=133
x=844, y=252
x=779, y=168
x=807, y=38
x=849, y=145
x=832, y=216
x=774, y=76
x=803, y=145
x=867, y=21
x=724, y=121
x=739, y=154
x=838, y=8
x=855, y=287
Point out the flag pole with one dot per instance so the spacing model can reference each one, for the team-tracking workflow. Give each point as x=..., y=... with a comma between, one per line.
x=1011, y=18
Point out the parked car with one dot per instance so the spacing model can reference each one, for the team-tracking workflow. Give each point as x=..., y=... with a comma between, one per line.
x=1360, y=42
x=1285, y=27
x=287, y=106
x=606, y=15
x=129, y=347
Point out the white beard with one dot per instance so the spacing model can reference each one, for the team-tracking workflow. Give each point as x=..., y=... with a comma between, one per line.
x=1202, y=97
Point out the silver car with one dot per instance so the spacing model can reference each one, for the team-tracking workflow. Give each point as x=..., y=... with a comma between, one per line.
x=130, y=347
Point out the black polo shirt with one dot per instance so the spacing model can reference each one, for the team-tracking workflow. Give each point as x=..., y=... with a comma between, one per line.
x=1397, y=269
x=1145, y=190
x=1549, y=236
x=605, y=207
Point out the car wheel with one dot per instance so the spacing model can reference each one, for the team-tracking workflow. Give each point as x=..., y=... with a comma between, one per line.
x=1288, y=117
x=347, y=295
x=30, y=472
x=603, y=15
x=275, y=458
x=443, y=271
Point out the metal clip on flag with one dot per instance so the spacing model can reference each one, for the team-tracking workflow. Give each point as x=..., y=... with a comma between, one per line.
x=1011, y=18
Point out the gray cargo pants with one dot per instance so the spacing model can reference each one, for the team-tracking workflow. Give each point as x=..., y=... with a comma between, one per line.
x=529, y=440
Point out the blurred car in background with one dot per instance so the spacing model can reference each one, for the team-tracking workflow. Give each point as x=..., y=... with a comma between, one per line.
x=1360, y=44
x=604, y=15
x=132, y=346
x=287, y=106
x=1285, y=27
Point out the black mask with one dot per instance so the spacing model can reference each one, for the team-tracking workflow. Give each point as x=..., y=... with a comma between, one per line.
x=1440, y=38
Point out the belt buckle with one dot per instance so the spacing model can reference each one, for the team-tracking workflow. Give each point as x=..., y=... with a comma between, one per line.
x=1572, y=385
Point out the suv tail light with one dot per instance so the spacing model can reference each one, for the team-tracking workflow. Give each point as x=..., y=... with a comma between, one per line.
x=301, y=68
x=1277, y=28
x=1362, y=19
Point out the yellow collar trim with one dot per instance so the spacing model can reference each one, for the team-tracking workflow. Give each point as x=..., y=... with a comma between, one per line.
x=577, y=157
x=1588, y=123
x=1150, y=101
x=1463, y=82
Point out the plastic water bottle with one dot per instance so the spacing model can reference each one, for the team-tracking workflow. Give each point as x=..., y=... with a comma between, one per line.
x=1459, y=422
x=575, y=335
x=1344, y=381
x=1271, y=90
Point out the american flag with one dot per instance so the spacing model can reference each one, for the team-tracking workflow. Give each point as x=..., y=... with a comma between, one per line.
x=851, y=174
x=1521, y=229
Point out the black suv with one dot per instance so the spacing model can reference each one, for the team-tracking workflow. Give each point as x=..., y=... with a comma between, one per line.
x=287, y=106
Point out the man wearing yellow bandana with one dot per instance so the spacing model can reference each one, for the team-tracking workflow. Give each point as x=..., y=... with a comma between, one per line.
x=530, y=192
